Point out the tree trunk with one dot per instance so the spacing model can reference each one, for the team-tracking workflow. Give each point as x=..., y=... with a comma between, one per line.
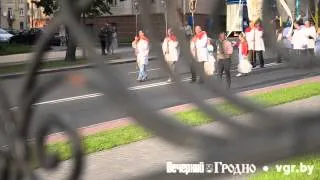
x=71, y=41
x=71, y=46
x=316, y=13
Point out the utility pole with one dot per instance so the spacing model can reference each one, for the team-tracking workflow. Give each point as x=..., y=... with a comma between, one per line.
x=136, y=9
x=31, y=14
x=192, y=7
x=164, y=4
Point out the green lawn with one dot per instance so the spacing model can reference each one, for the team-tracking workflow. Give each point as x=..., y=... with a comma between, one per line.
x=132, y=133
x=9, y=49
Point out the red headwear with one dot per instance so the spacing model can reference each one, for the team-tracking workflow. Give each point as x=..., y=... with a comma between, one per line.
x=199, y=36
x=248, y=29
x=172, y=37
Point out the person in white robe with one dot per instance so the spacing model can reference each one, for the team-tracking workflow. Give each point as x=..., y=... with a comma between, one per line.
x=254, y=34
x=199, y=50
x=142, y=47
x=299, y=40
x=171, y=51
x=311, y=35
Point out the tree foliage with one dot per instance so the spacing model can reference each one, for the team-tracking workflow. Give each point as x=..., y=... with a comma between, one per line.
x=96, y=8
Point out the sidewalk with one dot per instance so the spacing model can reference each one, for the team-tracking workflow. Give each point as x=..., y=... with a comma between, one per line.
x=150, y=155
x=123, y=52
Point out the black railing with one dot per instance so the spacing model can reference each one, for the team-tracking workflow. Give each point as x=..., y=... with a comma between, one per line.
x=15, y=160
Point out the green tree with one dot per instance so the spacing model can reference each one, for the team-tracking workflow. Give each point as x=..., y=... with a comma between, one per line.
x=314, y=9
x=96, y=8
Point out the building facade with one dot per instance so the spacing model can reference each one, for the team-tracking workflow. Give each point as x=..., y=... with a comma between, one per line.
x=36, y=17
x=21, y=14
x=124, y=16
x=13, y=14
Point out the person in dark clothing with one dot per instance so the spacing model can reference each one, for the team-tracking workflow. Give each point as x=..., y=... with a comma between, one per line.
x=109, y=37
x=102, y=37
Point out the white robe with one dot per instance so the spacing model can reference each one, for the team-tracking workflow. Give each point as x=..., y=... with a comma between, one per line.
x=299, y=39
x=255, y=40
x=142, y=49
x=171, y=50
x=201, y=49
x=311, y=31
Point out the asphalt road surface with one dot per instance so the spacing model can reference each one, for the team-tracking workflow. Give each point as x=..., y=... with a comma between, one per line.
x=82, y=106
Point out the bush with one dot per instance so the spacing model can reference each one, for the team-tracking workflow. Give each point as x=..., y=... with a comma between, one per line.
x=9, y=49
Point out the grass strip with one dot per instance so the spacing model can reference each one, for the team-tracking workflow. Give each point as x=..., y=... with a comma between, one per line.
x=132, y=133
x=9, y=49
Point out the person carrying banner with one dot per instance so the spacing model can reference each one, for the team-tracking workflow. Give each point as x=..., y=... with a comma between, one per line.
x=142, y=47
x=199, y=51
x=171, y=51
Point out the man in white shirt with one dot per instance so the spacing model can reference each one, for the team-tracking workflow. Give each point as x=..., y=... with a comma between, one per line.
x=299, y=40
x=311, y=35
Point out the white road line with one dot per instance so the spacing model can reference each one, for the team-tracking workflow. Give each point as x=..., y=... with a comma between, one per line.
x=157, y=69
x=134, y=88
x=70, y=99
x=136, y=72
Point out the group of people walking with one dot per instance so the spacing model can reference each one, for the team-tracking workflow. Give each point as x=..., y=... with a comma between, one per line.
x=108, y=39
x=304, y=40
x=201, y=48
x=206, y=57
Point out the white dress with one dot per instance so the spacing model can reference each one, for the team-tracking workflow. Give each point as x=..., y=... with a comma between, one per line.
x=244, y=65
x=209, y=66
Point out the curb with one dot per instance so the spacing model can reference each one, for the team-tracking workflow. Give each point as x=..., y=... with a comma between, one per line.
x=123, y=122
x=76, y=67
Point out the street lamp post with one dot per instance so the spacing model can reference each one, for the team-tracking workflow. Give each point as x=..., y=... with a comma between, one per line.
x=136, y=8
x=192, y=8
x=31, y=14
x=164, y=4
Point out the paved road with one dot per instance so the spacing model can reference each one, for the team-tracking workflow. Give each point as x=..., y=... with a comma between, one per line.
x=84, y=106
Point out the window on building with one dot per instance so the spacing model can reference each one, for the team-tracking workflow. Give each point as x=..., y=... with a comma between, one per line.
x=21, y=12
x=21, y=25
x=10, y=13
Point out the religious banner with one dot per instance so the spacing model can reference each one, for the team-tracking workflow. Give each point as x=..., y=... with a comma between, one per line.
x=234, y=17
x=255, y=9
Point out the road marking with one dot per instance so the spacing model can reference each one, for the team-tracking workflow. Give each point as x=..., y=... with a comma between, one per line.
x=70, y=99
x=234, y=70
x=134, y=88
x=136, y=72
x=155, y=85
